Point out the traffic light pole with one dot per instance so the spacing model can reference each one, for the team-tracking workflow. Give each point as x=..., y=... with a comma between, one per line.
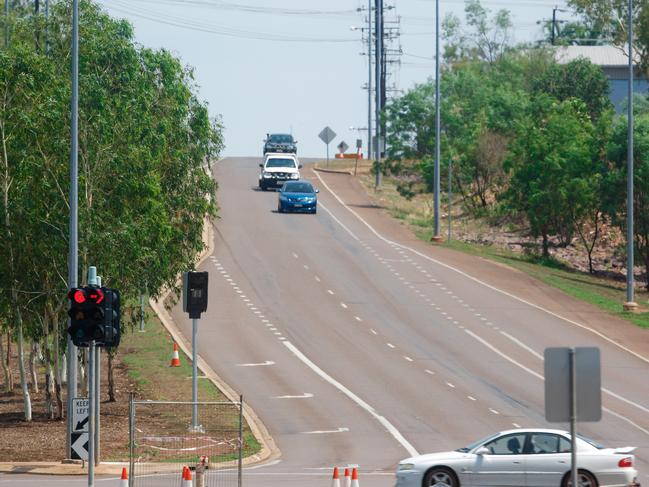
x=195, y=425
x=92, y=405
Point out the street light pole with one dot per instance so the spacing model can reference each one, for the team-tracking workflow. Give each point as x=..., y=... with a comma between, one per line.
x=436, y=235
x=74, y=215
x=630, y=304
x=369, y=80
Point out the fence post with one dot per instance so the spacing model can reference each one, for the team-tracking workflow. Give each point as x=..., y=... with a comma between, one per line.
x=240, y=440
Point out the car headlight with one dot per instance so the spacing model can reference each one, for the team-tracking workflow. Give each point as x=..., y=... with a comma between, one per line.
x=266, y=174
x=295, y=176
x=405, y=466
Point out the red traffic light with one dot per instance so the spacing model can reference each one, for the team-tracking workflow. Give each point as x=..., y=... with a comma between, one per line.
x=79, y=296
x=97, y=295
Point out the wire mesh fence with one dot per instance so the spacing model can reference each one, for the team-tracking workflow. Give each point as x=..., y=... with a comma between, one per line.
x=164, y=439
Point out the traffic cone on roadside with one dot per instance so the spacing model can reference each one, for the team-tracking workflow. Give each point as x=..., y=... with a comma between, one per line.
x=175, y=359
x=123, y=482
x=355, y=478
x=187, y=477
x=335, y=482
x=348, y=479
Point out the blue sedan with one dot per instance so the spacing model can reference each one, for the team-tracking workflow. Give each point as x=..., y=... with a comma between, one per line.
x=297, y=196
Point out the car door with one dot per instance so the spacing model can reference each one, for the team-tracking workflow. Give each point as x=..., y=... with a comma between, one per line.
x=548, y=459
x=504, y=465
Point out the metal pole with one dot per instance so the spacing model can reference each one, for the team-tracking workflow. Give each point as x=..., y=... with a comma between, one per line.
x=436, y=188
x=131, y=438
x=194, y=376
x=369, y=80
x=450, y=197
x=327, y=154
x=554, y=21
x=240, y=462
x=573, y=417
x=74, y=215
x=630, y=304
x=141, y=311
x=378, y=64
x=6, y=24
x=97, y=394
x=47, y=26
x=91, y=415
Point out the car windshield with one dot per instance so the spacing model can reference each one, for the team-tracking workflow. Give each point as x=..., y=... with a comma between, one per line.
x=281, y=138
x=277, y=162
x=298, y=188
x=475, y=444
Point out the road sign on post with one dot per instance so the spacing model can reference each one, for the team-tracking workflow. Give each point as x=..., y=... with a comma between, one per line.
x=342, y=147
x=573, y=390
x=80, y=437
x=327, y=135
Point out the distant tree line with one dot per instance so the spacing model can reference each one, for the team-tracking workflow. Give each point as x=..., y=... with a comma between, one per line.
x=145, y=140
x=530, y=139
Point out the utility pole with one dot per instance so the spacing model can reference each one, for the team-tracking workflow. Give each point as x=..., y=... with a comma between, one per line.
x=47, y=26
x=436, y=184
x=554, y=23
x=630, y=304
x=6, y=24
x=74, y=216
x=379, y=89
x=369, y=80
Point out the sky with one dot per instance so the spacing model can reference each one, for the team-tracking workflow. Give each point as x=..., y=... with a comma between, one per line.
x=296, y=66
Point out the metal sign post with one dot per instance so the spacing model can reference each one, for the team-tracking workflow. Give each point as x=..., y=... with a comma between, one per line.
x=327, y=135
x=573, y=390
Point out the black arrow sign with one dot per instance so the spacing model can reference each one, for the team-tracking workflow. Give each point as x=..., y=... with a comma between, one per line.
x=81, y=424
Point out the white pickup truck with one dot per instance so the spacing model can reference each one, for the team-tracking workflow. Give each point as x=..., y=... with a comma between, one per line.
x=278, y=168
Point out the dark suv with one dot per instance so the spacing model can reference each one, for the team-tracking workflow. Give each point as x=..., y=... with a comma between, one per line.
x=280, y=143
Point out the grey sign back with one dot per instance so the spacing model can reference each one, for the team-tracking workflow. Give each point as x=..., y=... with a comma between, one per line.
x=558, y=384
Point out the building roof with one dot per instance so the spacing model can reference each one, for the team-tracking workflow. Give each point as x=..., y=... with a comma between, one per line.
x=605, y=56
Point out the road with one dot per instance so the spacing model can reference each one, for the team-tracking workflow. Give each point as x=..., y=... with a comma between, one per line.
x=355, y=343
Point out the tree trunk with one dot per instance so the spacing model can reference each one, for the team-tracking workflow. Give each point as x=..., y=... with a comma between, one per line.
x=546, y=245
x=111, y=378
x=57, y=373
x=5, y=369
x=21, y=365
x=33, y=356
x=7, y=366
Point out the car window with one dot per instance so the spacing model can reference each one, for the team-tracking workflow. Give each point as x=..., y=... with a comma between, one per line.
x=277, y=162
x=544, y=443
x=507, y=445
x=298, y=188
x=281, y=139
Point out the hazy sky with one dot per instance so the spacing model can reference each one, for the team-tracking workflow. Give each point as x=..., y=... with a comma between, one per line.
x=296, y=65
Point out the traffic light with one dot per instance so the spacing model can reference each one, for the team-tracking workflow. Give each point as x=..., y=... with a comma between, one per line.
x=111, y=321
x=86, y=314
x=195, y=293
x=94, y=315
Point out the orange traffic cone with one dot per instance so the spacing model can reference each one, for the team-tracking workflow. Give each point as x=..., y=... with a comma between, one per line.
x=335, y=482
x=123, y=482
x=175, y=359
x=355, y=478
x=187, y=477
x=348, y=479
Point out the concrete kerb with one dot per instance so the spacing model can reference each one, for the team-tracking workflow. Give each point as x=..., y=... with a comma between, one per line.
x=269, y=450
x=334, y=171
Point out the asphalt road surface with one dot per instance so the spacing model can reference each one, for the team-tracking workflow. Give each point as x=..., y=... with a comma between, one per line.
x=355, y=343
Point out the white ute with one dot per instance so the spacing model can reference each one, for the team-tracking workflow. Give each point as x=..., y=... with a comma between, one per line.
x=277, y=169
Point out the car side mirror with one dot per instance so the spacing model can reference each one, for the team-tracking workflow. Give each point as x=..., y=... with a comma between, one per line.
x=483, y=450
x=317, y=190
x=299, y=166
x=261, y=165
x=295, y=141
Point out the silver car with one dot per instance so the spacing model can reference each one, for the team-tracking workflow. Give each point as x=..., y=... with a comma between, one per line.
x=521, y=457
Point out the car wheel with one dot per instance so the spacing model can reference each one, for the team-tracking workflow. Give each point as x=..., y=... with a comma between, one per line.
x=584, y=479
x=440, y=477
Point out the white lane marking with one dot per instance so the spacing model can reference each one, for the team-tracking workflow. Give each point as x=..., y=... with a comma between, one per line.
x=295, y=255
x=306, y=395
x=381, y=419
x=390, y=345
x=339, y=222
x=373, y=331
x=408, y=358
x=605, y=390
x=273, y=329
x=539, y=376
x=475, y=279
x=430, y=372
x=323, y=432
x=358, y=318
x=471, y=398
x=494, y=411
x=306, y=267
x=343, y=305
x=330, y=291
x=450, y=385
x=317, y=278
x=516, y=425
x=262, y=364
